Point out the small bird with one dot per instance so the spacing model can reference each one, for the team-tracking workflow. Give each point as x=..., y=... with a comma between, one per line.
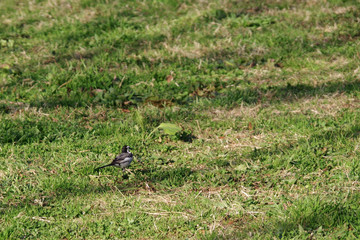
x=122, y=160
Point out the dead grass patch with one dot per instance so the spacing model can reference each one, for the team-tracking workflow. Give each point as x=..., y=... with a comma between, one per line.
x=327, y=105
x=157, y=199
x=2, y=173
x=240, y=111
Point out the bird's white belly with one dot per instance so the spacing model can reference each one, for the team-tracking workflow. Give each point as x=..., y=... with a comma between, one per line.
x=125, y=163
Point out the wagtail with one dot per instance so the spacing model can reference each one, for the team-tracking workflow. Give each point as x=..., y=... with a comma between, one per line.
x=122, y=160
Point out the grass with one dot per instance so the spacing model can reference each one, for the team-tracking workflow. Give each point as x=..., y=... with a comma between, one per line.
x=266, y=94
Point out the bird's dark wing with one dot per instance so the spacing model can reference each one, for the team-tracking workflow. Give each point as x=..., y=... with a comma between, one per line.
x=121, y=157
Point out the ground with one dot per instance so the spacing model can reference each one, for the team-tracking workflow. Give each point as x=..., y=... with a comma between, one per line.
x=265, y=96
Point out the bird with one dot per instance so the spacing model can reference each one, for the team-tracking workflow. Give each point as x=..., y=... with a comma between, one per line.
x=122, y=160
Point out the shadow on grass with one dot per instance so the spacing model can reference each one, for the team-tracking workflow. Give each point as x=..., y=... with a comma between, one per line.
x=286, y=93
x=151, y=179
x=308, y=218
x=129, y=183
x=315, y=215
x=308, y=154
x=18, y=131
x=230, y=97
x=65, y=188
x=319, y=220
x=175, y=177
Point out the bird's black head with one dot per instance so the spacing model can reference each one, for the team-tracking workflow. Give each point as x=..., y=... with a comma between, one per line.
x=125, y=149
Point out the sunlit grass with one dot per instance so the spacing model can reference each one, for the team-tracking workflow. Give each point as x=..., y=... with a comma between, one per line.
x=266, y=94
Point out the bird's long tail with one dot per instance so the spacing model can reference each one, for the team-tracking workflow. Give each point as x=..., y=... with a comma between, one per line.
x=102, y=167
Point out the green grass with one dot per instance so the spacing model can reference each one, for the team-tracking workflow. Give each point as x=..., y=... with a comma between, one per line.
x=266, y=93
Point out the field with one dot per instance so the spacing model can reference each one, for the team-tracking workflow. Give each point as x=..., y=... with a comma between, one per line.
x=245, y=116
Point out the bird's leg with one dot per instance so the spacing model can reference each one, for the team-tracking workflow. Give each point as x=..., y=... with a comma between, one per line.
x=128, y=171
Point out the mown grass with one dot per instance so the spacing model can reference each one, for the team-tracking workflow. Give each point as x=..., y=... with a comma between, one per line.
x=267, y=94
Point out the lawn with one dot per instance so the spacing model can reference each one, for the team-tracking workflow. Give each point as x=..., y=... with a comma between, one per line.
x=245, y=116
